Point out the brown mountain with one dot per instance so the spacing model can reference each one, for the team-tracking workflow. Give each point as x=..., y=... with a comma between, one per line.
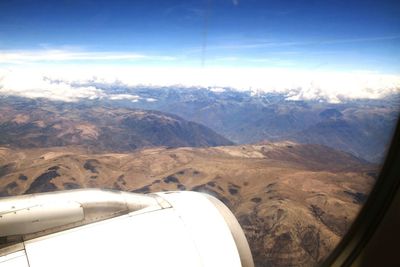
x=362, y=127
x=33, y=123
x=294, y=201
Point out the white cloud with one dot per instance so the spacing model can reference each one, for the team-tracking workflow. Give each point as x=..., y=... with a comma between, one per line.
x=133, y=98
x=297, y=84
x=217, y=89
x=59, y=55
x=31, y=84
x=257, y=43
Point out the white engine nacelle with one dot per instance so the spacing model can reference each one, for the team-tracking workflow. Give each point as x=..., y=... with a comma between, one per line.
x=110, y=228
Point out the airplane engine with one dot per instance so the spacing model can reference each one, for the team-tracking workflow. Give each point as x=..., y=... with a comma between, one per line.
x=93, y=227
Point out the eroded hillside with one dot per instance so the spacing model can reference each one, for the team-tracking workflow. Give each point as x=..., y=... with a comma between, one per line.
x=294, y=201
x=34, y=123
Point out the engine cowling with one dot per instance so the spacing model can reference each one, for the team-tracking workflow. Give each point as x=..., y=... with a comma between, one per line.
x=102, y=228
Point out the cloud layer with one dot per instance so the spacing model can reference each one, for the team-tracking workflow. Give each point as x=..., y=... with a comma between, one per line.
x=59, y=55
x=55, y=82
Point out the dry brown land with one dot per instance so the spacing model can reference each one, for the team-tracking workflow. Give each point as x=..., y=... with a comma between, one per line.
x=294, y=201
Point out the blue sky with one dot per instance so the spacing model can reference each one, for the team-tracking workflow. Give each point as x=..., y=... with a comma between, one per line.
x=332, y=35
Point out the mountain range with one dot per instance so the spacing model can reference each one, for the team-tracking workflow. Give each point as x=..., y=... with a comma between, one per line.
x=295, y=187
x=362, y=127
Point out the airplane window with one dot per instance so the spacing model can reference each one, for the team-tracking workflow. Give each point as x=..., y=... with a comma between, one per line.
x=283, y=110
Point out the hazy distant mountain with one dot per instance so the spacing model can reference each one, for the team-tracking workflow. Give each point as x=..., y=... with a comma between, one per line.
x=34, y=123
x=294, y=201
x=361, y=127
x=364, y=132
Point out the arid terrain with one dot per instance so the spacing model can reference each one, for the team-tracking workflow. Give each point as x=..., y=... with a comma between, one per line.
x=294, y=201
x=29, y=124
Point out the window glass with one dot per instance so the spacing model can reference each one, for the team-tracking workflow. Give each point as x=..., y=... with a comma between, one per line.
x=283, y=110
